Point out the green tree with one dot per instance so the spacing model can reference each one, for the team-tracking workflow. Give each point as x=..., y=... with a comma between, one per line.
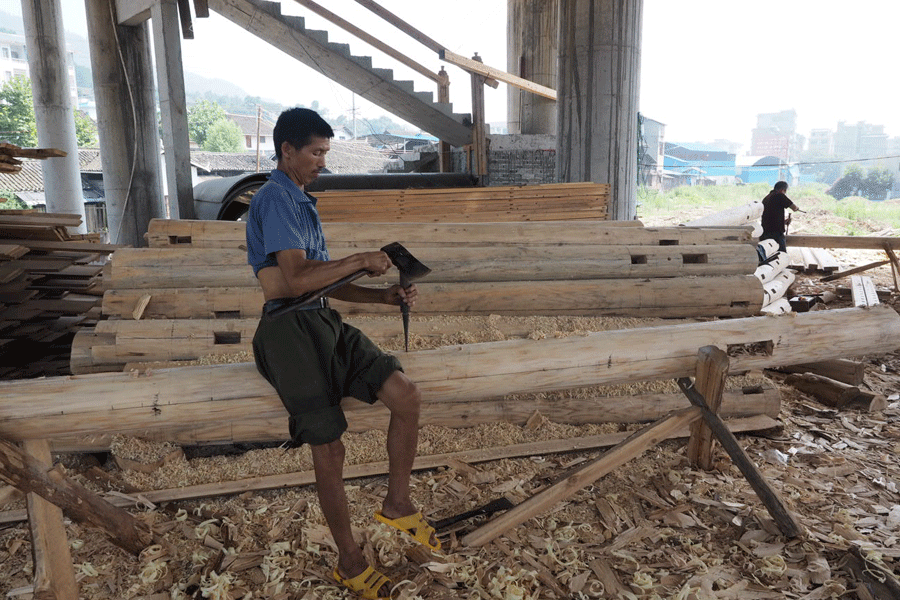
x=877, y=182
x=17, y=124
x=201, y=117
x=224, y=136
x=85, y=130
x=9, y=201
x=850, y=183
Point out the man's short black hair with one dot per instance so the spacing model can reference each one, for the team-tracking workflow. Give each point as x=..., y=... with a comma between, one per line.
x=781, y=186
x=296, y=126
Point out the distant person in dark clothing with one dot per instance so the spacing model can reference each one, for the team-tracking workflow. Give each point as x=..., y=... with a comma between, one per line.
x=773, y=221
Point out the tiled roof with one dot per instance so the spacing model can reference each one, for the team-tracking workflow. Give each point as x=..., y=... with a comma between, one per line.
x=346, y=157
x=247, y=124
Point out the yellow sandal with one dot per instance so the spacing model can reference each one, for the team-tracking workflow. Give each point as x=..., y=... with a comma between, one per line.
x=414, y=525
x=366, y=584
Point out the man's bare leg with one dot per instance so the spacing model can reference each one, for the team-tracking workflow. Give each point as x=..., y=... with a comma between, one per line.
x=403, y=399
x=328, y=463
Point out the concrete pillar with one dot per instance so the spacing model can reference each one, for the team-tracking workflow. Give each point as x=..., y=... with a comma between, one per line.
x=53, y=111
x=126, y=120
x=599, y=78
x=532, y=53
x=173, y=108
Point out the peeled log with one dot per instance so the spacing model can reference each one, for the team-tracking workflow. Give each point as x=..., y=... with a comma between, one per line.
x=229, y=396
x=230, y=234
x=190, y=267
x=738, y=215
x=734, y=295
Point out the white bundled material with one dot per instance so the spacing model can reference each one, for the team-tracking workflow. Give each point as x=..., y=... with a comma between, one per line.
x=777, y=287
x=779, y=307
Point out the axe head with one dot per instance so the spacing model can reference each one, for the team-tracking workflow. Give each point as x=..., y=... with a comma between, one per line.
x=410, y=268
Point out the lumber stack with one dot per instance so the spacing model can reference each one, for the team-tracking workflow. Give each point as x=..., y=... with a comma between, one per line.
x=10, y=155
x=548, y=202
x=49, y=288
x=812, y=260
x=231, y=402
x=195, y=282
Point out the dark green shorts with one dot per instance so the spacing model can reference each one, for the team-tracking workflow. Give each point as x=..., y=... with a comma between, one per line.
x=313, y=359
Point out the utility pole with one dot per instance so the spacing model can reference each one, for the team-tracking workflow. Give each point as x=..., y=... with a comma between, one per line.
x=258, y=119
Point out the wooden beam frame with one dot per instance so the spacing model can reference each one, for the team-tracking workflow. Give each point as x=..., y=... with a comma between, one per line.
x=473, y=66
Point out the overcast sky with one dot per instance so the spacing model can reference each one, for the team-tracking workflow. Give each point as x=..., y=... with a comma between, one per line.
x=707, y=66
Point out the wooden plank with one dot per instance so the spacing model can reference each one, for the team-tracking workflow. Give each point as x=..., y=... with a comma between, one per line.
x=863, y=291
x=54, y=575
x=41, y=219
x=826, y=261
x=585, y=475
x=855, y=270
x=786, y=522
x=712, y=369
x=71, y=245
x=191, y=397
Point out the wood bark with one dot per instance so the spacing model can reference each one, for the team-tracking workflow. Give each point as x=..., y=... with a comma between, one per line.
x=27, y=473
x=235, y=394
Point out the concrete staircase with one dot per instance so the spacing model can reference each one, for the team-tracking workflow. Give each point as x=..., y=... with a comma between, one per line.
x=289, y=34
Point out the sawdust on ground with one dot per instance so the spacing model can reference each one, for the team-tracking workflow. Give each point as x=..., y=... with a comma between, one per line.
x=654, y=528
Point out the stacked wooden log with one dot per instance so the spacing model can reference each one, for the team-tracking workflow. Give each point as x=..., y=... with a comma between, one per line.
x=195, y=284
x=49, y=288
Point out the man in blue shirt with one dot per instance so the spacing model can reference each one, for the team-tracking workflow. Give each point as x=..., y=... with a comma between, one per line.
x=313, y=359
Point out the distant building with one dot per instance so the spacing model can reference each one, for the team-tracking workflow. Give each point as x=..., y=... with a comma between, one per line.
x=766, y=169
x=701, y=163
x=821, y=142
x=776, y=135
x=14, y=61
x=653, y=134
x=860, y=140
x=251, y=126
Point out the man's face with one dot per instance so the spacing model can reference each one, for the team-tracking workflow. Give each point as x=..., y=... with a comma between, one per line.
x=304, y=164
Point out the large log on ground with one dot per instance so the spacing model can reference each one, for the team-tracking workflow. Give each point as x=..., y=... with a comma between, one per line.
x=734, y=295
x=229, y=397
x=164, y=233
x=179, y=267
x=736, y=215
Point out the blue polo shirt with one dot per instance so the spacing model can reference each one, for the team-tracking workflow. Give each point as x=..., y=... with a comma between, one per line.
x=282, y=216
